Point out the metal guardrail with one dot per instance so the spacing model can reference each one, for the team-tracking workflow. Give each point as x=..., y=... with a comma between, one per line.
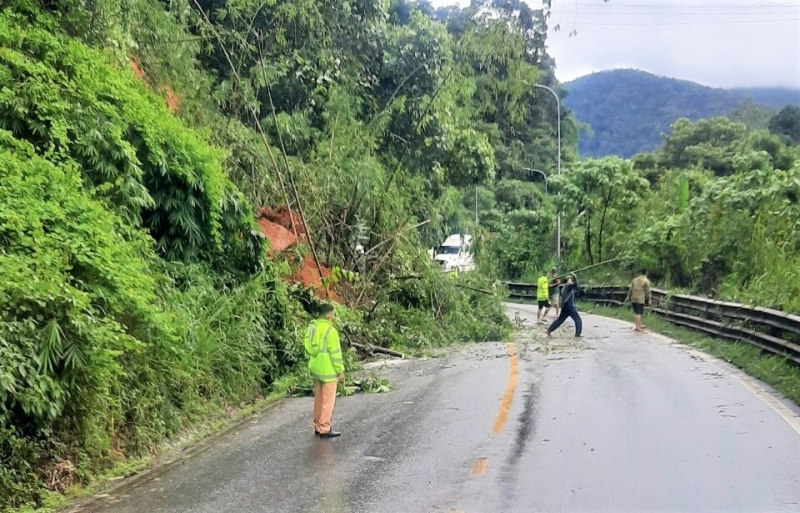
x=770, y=330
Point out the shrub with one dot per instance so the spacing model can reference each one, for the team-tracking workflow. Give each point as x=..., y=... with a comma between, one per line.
x=73, y=106
x=104, y=352
x=76, y=298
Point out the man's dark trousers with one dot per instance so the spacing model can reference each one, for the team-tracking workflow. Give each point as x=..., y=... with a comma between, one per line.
x=568, y=311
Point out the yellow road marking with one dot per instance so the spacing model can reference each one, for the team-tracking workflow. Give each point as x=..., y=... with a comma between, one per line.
x=480, y=466
x=508, y=396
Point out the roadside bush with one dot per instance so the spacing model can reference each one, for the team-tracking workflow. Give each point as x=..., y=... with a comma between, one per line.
x=76, y=301
x=73, y=106
x=240, y=339
x=104, y=352
x=436, y=309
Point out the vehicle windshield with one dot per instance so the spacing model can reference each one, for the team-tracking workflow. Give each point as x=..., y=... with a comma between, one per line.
x=448, y=250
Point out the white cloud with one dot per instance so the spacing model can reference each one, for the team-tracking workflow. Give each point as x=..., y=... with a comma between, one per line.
x=721, y=43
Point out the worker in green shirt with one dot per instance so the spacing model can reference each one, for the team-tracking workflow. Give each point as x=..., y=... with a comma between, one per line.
x=543, y=297
x=326, y=366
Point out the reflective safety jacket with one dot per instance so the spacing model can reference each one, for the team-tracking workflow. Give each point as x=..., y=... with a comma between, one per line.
x=542, y=289
x=324, y=351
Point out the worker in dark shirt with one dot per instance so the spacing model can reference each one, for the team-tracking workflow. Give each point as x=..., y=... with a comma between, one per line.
x=568, y=308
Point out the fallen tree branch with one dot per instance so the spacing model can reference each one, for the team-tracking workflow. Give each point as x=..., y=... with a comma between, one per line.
x=407, y=277
x=391, y=240
x=475, y=289
x=419, y=277
x=370, y=349
x=290, y=174
x=397, y=233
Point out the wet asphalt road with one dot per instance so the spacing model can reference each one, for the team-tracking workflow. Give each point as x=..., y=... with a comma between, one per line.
x=619, y=422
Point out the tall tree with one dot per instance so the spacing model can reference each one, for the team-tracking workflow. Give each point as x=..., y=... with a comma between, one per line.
x=786, y=123
x=598, y=193
x=508, y=58
x=708, y=143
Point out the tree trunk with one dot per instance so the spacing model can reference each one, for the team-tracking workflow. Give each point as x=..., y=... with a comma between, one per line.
x=588, y=237
x=606, y=203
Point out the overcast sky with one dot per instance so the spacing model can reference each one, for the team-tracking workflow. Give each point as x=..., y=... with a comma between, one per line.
x=720, y=43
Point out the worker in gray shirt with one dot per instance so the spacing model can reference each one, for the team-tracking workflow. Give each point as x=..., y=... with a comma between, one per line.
x=639, y=295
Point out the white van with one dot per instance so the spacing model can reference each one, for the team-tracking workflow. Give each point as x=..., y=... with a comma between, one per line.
x=455, y=254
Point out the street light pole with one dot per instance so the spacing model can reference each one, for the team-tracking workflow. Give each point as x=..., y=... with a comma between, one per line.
x=558, y=218
x=541, y=173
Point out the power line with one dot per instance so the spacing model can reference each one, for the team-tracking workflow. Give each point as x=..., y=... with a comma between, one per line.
x=639, y=13
x=715, y=22
x=609, y=5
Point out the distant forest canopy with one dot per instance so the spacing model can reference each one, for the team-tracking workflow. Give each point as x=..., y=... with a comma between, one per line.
x=627, y=111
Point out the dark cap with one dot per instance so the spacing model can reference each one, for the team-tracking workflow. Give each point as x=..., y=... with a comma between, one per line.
x=324, y=309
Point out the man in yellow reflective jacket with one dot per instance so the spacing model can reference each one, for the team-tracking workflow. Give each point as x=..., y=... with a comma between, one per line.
x=542, y=297
x=327, y=368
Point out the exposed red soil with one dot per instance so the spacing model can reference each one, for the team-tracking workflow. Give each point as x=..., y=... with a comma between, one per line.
x=279, y=237
x=284, y=217
x=279, y=228
x=173, y=102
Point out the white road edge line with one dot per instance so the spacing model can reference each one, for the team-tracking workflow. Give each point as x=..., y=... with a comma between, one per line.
x=788, y=414
x=752, y=384
x=749, y=382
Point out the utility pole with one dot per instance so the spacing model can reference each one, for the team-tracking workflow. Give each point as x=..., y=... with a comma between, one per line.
x=558, y=218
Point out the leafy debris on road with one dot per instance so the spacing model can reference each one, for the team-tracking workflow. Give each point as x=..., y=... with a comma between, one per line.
x=371, y=384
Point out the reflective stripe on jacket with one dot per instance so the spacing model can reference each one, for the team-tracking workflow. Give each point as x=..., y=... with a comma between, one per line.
x=542, y=289
x=327, y=364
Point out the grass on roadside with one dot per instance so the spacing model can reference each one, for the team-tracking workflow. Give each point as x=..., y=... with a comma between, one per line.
x=54, y=502
x=776, y=371
x=291, y=384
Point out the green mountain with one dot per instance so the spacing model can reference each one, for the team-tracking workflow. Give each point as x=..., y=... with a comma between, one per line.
x=629, y=110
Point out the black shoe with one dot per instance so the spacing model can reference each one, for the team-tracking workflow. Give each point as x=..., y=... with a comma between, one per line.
x=330, y=434
x=316, y=433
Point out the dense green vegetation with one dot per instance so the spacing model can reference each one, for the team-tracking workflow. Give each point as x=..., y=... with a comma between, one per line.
x=714, y=211
x=786, y=124
x=628, y=111
x=136, y=297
